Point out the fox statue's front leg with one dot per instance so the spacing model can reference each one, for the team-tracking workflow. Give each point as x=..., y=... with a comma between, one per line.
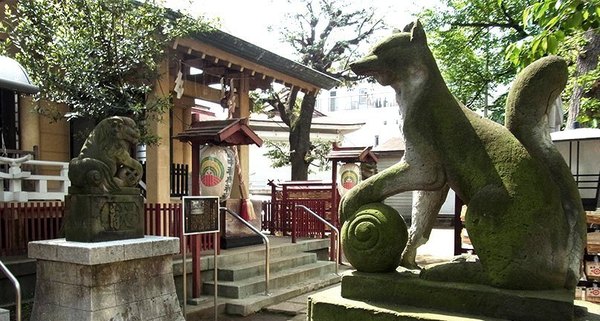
x=373, y=234
x=426, y=206
x=413, y=172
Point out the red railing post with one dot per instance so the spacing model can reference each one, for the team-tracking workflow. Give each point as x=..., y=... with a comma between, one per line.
x=45, y=216
x=4, y=230
x=22, y=226
x=294, y=216
x=146, y=219
x=196, y=283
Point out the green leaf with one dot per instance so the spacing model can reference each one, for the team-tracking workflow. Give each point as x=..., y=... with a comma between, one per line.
x=535, y=44
x=542, y=10
x=573, y=4
x=552, y=44
x=574, y=20
x=560, y=35
x=552, y=22
x=526, y=14
x=544, y=44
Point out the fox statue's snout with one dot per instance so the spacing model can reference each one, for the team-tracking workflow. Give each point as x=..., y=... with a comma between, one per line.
x=366, y=66
x=404, y=48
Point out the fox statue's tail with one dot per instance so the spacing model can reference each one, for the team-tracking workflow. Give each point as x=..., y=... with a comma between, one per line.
x=531, y=96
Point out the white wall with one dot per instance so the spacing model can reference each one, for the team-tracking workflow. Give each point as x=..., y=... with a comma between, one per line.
x=370, y=103
x=589, y=162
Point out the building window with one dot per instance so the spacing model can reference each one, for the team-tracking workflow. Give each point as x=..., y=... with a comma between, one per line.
x=332, y=99
x=376, y=140
x=378, y=103
x=362, y=96
x=9, y=120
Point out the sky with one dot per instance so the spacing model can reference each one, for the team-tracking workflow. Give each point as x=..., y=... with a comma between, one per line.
x=250, y=19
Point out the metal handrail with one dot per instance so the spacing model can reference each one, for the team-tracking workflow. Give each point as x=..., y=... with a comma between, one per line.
x=265, y=239
x=17, y=286
x=337, y=235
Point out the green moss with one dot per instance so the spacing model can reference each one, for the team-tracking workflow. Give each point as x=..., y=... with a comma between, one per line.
x=461, y=272
x=373, y=239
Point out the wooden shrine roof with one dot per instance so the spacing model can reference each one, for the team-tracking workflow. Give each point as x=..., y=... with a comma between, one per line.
x=227, y=132
x=352, y=154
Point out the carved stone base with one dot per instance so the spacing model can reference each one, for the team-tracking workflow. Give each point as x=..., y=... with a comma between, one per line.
x=118, y=280
x=104, y=217
x=404, y=296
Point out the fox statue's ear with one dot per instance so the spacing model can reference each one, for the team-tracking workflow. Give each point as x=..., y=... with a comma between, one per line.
x=416, y=31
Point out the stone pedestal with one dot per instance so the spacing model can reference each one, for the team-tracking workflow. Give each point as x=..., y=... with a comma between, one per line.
x=127, y=280
x=104, y=217
x=404, y=296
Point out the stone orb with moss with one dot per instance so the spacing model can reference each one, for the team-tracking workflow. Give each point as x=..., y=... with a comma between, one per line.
x=374, y=237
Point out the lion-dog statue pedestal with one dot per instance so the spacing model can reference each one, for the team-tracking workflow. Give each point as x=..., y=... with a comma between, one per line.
x=524, y=214
x=105, y=268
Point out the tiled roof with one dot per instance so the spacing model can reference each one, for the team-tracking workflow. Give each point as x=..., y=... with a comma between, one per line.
x=256, y=54
x=227, y=132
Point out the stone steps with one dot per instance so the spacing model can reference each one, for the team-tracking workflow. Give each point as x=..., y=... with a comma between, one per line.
x=243, y=255
x=255, y=303
x=254, y=268
x=244, y=288
x=294, y=270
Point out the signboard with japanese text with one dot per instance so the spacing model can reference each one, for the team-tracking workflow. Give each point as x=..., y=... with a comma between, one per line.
x=200, y=214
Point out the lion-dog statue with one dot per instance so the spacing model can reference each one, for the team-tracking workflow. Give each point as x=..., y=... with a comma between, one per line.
x=104, y=163
x=524, y=215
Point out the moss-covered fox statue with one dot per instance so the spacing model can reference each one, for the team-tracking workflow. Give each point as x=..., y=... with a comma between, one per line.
x=524, y=214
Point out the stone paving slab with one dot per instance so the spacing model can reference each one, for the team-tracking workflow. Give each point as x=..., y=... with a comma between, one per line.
x=289, y=308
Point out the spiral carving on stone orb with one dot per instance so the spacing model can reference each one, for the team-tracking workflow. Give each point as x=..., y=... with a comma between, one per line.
x=374, y=237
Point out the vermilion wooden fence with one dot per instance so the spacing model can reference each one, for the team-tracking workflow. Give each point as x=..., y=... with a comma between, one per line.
x=277, y=217
x=21, y=223
x=278, y=213
x=306, y=225
x=282, y=217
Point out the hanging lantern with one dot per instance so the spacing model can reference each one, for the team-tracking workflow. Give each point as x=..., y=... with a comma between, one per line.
x=349, y=177
x=216, y=171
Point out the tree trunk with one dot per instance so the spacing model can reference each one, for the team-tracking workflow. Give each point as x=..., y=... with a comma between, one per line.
x=300, y=139
x=586, y=61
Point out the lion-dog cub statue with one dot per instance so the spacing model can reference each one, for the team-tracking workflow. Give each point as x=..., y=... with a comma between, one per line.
x=524, y=214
